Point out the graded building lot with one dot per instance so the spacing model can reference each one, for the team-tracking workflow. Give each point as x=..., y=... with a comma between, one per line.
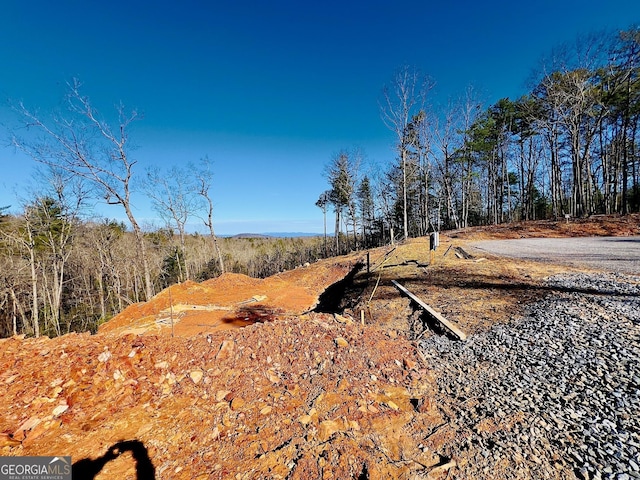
x=546, y=386
x=611, y=254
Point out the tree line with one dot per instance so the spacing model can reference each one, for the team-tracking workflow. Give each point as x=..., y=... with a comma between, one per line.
x=61, y=273
x=569, y=147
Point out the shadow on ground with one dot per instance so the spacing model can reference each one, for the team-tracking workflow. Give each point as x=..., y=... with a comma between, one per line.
x=87, y=469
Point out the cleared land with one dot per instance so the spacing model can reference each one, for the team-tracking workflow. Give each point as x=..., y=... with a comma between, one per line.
x=612, y=254
x=317, y=394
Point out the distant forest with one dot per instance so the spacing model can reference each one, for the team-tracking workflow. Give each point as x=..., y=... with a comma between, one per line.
x=72, y=275
x=568, y=147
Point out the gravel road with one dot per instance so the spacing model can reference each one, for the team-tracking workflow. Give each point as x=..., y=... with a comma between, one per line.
x=562, y=383
x=611, y=254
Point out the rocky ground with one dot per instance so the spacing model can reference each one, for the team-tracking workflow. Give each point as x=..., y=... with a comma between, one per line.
x=553, y=394
x=286, y=378
x=294, y=398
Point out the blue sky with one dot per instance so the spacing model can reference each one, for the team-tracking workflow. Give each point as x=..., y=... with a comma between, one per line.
x=270, y=91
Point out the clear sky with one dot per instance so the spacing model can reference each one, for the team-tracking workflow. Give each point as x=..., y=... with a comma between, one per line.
x=270, y=90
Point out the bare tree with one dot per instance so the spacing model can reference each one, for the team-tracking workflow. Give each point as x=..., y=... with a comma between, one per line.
x=57, y=217
x=356, y=157
x=173, y=198
x=83, y=144
x=576, y=103
x=470, y=111
x=14, y=278
x=19, y=247
x=571, y=111
x=14, y=283
x=446, y=141
x=43, y=236
x=419, y=139
x=403, y=99
x=204, y=179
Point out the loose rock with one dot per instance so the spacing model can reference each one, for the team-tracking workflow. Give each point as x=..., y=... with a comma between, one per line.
x=560, y=382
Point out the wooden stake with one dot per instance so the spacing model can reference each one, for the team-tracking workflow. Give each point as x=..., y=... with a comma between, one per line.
x=171, y=311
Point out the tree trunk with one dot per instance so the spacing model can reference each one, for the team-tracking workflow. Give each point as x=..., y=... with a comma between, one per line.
x=405, y=223
x=17, y=306
x=142, y=248
x=337, y=231
x=324, y=218
x=426, y=201
x=35, y=316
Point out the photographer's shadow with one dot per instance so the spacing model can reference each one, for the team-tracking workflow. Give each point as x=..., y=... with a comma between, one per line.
x=87, y=469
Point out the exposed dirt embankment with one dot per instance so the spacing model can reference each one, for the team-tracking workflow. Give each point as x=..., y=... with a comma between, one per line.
x=231, y=301
x=597, y=225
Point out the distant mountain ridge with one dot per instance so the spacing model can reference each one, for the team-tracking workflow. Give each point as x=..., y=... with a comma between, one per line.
x=274, y=235
x=247, y=235
x=292, y=234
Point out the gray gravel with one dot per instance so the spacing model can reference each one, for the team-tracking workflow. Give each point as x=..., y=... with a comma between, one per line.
x=612, y=254
x=565, y=376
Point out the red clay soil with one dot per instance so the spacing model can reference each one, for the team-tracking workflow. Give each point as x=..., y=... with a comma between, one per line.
x=303, y=396
x=306, y=397
x=230, y=301
x=594, y=226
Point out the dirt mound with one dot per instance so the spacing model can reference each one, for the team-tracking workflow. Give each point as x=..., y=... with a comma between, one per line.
x=237, y=279
x=230, y=301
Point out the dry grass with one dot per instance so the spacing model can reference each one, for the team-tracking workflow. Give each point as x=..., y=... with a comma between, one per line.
x=473, y=293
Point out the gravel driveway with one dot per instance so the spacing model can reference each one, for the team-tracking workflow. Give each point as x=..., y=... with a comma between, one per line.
x=565, y=375
x=611, y=254
x=566, y=372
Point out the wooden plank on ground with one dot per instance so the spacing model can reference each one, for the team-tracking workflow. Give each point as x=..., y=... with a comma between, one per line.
x=437, y=316
x=465, y=255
